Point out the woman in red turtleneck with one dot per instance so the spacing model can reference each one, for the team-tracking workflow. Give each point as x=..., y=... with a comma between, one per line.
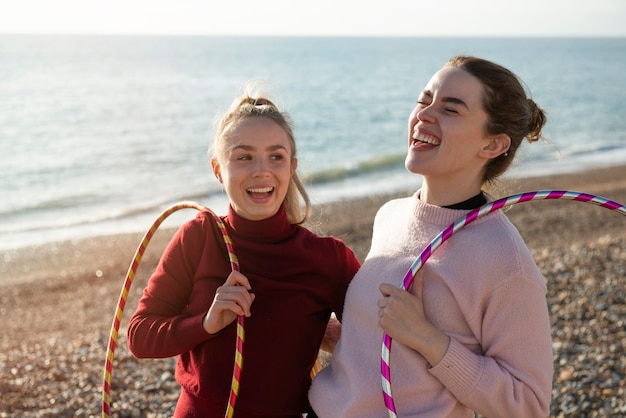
x=290, y=280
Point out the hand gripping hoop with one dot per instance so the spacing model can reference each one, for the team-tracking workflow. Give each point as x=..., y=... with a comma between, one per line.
x=450, y=230
x=234, y=263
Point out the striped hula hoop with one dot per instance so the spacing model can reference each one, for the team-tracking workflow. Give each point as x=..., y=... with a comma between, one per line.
x=451, y=229
x=234, y=263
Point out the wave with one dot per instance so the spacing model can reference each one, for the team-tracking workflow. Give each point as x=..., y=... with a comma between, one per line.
x=32, y=206
x=89, y=217
x=376, y=164
x=593, y=148
x=77, y=211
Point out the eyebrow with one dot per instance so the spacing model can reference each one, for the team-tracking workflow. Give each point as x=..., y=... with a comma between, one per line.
x=251, y=148
x=453, y=100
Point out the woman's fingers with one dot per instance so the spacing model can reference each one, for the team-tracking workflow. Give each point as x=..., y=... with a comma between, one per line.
x=399, y=310
x=235, y=298
x=231, y=299
x=235, y=278
x=237, y=288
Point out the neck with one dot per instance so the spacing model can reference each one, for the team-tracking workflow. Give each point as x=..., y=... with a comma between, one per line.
x=441, y=193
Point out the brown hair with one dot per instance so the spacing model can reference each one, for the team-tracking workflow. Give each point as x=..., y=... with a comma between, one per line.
x=254, y=105
x=510, y=110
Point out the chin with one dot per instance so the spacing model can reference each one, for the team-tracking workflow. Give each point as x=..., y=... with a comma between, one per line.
x=411, y=166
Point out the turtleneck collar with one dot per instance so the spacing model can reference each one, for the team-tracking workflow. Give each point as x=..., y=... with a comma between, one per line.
x=273, y=229
x=469, y=204
x=441, y=216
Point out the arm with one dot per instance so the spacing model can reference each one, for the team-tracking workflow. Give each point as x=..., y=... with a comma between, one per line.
x=516, y=364
x=331, y=335
x=513, y=375
x=171, y=314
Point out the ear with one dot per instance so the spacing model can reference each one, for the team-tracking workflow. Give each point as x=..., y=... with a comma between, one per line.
x=497, y=145
x=294, y=165
x=217, y=170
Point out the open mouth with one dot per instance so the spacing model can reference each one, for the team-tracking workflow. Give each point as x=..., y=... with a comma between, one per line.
x=425, y=139
x=260, y=191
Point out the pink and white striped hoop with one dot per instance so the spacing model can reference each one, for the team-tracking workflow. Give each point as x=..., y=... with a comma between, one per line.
x=451, y=230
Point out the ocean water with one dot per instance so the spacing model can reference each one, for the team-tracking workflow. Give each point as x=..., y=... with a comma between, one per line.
x=98, y=134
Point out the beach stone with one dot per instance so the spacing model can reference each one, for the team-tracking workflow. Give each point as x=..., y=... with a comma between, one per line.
x=55, y=330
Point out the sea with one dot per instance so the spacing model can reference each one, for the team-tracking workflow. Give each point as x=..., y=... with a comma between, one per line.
x=100, y=134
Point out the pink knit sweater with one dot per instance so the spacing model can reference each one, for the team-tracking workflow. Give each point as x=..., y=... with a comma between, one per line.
x=481, y=287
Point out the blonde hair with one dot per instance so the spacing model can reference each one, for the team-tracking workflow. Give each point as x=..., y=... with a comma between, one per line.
x=252, y=104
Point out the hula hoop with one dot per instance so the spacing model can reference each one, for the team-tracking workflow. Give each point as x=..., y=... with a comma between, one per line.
x=234, y=263
x=450, y=230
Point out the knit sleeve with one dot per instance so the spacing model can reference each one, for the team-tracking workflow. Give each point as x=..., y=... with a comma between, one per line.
x=161, y=326
x=513, y=375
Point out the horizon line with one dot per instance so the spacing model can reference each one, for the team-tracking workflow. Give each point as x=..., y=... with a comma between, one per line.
x=227, y=35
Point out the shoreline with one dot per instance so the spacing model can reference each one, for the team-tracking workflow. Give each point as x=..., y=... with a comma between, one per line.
x=58, y=301
x=63, y=259
x=132, y=220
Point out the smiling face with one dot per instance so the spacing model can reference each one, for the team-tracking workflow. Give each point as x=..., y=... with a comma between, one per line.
x=256, y=168
x=448, y=144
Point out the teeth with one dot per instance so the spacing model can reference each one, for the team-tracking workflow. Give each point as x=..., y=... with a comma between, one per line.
x=425, y=138
x=261, y=190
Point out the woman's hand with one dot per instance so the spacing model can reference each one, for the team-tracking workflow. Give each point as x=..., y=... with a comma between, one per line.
x=231, y=299
x=331, y=335
x=401, y=315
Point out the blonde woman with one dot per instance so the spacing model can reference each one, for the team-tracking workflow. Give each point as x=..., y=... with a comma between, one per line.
x=290, y=280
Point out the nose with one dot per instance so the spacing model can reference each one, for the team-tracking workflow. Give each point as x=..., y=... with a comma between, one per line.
x=425, y=114
x=260, y=168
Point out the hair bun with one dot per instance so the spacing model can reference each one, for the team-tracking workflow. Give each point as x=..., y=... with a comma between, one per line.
x=256, y=101
x=536, y=122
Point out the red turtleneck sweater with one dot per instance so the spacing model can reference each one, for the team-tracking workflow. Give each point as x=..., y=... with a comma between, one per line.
x=298, y=279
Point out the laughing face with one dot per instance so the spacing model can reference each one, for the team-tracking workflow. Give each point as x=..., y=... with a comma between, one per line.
x=256, y=168
x=447, y=139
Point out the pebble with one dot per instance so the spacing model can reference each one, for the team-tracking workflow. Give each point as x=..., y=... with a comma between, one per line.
x=62, y=377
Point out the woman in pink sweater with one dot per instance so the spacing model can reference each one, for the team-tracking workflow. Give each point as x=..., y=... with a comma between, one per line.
x=473, y=332
x=290, y=281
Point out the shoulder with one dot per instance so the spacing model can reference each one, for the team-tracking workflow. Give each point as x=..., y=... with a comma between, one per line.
x=206, y=220
x=395, y=209
x=198, y=228
x=496, y=234
x=326, y=246
x=311, y=239
x=506, y=253
x=395, y=204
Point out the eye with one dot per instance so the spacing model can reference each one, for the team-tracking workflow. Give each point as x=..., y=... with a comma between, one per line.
x=451, y=110
x=243, y=157
x=423, y=103
x=278, y=157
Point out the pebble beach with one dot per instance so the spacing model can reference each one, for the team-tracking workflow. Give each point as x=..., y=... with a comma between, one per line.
x=57, y=303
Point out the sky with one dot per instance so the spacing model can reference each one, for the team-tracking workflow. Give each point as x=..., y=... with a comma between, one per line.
x=317, y=17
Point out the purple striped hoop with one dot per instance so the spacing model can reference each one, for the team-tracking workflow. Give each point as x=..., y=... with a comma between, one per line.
x=451, y=230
